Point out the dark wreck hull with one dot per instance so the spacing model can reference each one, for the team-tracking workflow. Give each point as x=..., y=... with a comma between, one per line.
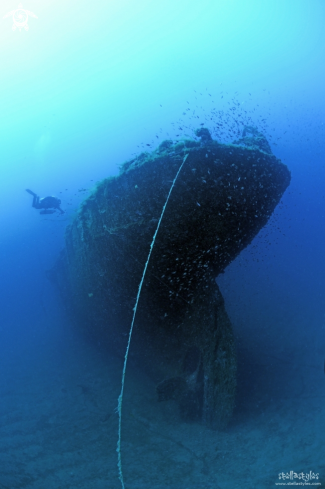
x=223, y=196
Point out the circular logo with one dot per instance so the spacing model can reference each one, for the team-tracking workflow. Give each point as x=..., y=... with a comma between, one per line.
x=20, y=18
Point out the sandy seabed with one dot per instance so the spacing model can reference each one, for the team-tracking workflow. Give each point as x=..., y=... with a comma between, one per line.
x=59, y=429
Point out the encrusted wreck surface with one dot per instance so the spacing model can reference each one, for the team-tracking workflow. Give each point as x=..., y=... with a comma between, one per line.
x=223, y=196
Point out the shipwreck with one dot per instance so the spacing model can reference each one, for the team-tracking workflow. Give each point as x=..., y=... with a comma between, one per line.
x=223, y=196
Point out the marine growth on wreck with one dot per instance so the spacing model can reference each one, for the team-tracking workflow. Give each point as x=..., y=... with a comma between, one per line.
x=183, y=337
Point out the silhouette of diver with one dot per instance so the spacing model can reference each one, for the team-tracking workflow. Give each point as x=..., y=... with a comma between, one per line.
x=48, y=204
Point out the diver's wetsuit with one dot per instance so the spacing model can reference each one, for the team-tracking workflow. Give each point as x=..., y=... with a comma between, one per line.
x=48, y=204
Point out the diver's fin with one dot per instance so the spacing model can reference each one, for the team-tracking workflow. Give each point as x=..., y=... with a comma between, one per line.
x=30, y=192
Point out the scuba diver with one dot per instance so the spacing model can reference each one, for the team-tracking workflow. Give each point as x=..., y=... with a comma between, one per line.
x=48, y=204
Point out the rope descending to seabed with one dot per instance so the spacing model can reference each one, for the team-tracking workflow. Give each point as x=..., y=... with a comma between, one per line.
x=120, y=398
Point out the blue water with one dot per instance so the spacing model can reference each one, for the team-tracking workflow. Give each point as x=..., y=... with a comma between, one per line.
x=86, y=87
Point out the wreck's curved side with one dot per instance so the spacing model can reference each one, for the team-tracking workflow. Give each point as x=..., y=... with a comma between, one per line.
x=223, y=196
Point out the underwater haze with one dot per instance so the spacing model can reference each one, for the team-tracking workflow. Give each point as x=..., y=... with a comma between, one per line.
x=86, y=86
